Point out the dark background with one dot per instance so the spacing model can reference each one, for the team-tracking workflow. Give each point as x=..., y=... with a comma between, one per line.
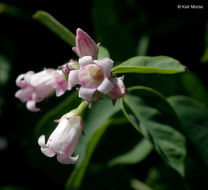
x=118, y=25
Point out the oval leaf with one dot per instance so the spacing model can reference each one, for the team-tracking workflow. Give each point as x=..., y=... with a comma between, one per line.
x=151, y=115
x=194, y=120
x=145, y=64
x=136, y=155
x=103, y=52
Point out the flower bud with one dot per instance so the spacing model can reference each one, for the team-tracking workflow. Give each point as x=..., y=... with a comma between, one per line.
x=85, y=45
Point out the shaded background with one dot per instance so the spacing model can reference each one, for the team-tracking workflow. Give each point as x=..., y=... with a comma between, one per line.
x=119, y=26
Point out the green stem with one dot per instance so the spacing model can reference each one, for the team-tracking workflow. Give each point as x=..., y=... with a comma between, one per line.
x=80, y=109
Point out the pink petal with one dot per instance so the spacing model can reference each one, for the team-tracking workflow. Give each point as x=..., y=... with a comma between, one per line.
x=106, y=65
x=62, y=158
x=41, y=141
x=24, y=94
x=59, y=92
x=48, y=151
x=77, y=52
x=29, y=76
x=118, y=89
x=42, y=78
x=23, y=80
x=86, y=93
x=85, y=45
x=90, y=76
x=73, y=79
x=20, y=81
x=85, y=60
x=31, y=106
x=45, y=150
x=65, y=136
x=105, y=86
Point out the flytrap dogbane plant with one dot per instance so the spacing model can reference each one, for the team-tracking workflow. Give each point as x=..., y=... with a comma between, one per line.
x=95, y=79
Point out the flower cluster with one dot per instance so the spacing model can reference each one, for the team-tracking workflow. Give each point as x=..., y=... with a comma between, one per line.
x=35, y=87
x=93, y=77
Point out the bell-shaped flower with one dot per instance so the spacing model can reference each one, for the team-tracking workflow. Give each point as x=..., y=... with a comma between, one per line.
x=37, y=86
x=118, y=89
x=93, y=76
x=85, y=45
x=62, y=142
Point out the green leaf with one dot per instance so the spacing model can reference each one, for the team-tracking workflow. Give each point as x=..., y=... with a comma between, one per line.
x=136, y=155
x=96, y=122
x=194, y=120
x=190, y=82
x=52, y=24
x=204, y=58
x=4, y=69
x=152, y=116
x=138, y=185
x=12, y=11
x=103, y=52
x=145, y=64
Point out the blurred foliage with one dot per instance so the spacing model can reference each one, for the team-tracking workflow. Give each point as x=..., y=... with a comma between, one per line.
x=4, y=76
x=113, y=153
x=204, y=58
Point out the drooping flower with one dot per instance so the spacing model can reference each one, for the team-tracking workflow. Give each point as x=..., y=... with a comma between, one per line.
x=37, y=86
x=62, y=142
x=85, y=45
x=118, y=89
x=93, y=76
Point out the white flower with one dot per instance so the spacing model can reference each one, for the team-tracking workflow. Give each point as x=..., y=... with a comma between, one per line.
x=35, y=87
x=62, y=142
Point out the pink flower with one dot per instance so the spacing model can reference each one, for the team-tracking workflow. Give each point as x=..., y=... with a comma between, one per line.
x=93, y=76
x=118, y=89
x=62, y=142
x=85, y=45
x=35, y=87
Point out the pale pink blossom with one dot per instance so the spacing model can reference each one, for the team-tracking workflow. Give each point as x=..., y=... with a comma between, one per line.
x=93, y=76
x=62, y=142
x=35, y=87
x=85, y=45
x=118, y=89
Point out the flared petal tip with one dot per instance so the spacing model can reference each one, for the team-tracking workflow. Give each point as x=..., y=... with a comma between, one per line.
x=67, y=160
x=32, y=107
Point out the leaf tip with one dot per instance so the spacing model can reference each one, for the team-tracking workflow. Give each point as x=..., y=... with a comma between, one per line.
x=37, y=14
